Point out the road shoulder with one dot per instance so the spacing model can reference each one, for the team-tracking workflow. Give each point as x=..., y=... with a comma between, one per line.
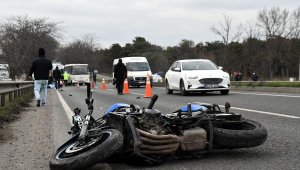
x=29, y=143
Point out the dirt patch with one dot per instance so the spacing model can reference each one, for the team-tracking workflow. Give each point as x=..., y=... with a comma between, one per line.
x=26, y=138
x=5, y=131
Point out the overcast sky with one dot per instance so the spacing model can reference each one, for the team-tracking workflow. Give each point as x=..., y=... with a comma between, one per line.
x=161, y=22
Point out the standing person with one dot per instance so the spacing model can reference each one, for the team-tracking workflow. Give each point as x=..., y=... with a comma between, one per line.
x=94, y=77
x=120, y=74
x=66, y=78
x=41, y=68
x=254, y=77
x=57, y=76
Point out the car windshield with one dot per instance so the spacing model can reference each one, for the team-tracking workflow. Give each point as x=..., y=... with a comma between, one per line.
x=80, y=70
x=198, y=65
x=137, y=66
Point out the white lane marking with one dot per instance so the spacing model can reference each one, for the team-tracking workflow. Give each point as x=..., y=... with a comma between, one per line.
x=248, y=110
x=265, y=94
x=258, y=111
x=66, y=107
x=258, y=94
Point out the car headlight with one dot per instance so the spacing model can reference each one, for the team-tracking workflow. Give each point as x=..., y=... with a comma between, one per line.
x=226, y=76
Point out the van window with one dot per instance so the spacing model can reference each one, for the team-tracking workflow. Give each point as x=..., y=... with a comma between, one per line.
x=77, y=70
x=137, y=66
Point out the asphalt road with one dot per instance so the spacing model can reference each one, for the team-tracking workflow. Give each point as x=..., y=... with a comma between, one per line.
x=278, y=112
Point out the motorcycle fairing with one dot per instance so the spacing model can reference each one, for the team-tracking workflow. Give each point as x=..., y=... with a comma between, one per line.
x=194, y=108
x=115, y=107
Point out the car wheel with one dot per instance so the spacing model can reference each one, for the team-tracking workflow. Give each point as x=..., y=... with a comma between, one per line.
x=182, y=89
x=168, y=90
x=224, y=92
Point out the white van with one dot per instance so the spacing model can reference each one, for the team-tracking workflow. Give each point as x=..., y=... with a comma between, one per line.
x=137, y=70
x=79, y=73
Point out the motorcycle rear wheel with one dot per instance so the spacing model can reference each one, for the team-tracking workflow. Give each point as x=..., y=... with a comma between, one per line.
x=75, y=156
x=239, y=135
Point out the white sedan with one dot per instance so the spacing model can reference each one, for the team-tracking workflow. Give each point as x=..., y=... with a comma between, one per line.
x=193, y=75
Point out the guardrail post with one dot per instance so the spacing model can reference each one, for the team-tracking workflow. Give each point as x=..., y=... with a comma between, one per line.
x=2, y=99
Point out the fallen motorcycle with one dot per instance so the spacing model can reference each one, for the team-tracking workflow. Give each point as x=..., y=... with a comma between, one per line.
x=146, y=134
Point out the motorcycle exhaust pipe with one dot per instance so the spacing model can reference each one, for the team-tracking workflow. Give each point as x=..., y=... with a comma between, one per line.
x=157, y=137
x=158, y=142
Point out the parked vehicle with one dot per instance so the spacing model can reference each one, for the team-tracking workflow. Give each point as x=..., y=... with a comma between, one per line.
x=137, y=70
x=157, y=78
x=79, y=73
x=196, y=75
x=145, y=134
x=4, y=74
x=59, y=65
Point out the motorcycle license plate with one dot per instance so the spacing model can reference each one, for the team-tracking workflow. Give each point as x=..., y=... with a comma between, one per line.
x=209, y=86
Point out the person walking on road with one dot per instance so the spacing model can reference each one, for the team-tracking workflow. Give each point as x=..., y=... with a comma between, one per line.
x=120, y=74
x=57, y=76
x=66, y=78
x=41, y=68
x=94, y=77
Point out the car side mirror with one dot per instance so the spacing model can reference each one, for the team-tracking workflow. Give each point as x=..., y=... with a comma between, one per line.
x=177, y=69
x=220, y=67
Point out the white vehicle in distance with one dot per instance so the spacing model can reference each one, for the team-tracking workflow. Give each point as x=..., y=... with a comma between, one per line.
x=194, y=75
x=137, y=70
x=59, y=65
x=79, y=73
x=157, y=78
x=4, y=74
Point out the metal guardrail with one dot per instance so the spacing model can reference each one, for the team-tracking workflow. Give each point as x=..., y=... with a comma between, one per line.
x=10, y=90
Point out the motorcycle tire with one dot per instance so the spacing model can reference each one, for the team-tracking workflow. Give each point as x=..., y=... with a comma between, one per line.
x=239, y=135
x=67, y=159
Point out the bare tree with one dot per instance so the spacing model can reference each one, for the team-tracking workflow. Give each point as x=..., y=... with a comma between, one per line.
x=228, y=35
x=20, y=37
x=274, y=22
x=295, y=24
x=251, y=31
x=80, y=51
x=278, y=26
x=226, y=31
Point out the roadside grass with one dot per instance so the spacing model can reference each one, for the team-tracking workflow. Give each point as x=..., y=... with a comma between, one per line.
x=9, y=112
x=265, y=84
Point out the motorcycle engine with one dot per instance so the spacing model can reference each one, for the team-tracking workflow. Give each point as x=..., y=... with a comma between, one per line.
x=152, y=122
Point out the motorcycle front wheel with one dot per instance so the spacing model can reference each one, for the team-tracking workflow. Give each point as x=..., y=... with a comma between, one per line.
x=245, y=134
x=77, y=156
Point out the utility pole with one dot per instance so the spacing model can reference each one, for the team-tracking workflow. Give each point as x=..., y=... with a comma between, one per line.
x=299, y=69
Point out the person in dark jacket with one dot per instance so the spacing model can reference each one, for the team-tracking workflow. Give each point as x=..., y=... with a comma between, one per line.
x=41, y=68
x=120, y=74
x=57, y=77
x=254, y=77
x=94, y=77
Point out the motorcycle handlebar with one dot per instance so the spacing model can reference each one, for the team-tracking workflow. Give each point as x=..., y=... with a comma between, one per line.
x=89, y=101
x=153, y=100
x=88, y=90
